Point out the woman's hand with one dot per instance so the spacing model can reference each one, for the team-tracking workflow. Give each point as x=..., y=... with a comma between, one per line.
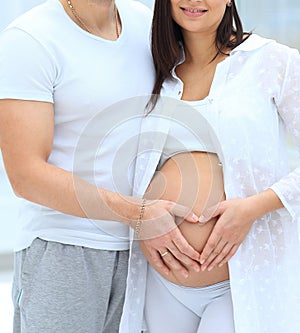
x=236, y=217
x=164, y=241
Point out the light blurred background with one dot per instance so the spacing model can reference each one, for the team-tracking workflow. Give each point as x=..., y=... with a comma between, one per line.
x=278, y=19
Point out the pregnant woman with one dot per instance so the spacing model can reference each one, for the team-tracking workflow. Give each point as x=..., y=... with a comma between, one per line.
x=248, y=90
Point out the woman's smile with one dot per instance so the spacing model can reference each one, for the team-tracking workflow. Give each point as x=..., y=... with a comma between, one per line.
x=198, y=17
x=193, y=12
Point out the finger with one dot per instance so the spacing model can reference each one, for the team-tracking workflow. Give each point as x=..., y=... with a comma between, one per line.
x=211, y=212
x=184, y=212
x=217, y=260
x=216, y=252
x=175, y=264
x=184, y=246
x=211, y=244
x=229, y=255
x=158, y=262
x=187, y=261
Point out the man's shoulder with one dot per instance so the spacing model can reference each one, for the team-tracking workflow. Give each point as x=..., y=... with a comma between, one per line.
x=136, y=9
x=139, y=6
x=39, y=18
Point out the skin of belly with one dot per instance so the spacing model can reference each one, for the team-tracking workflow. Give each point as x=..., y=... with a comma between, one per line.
x=196, y=180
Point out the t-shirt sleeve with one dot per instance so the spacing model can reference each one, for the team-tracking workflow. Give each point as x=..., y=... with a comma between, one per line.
x=27, y=70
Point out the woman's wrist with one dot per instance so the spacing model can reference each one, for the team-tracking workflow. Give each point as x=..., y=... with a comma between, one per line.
x=264, y=203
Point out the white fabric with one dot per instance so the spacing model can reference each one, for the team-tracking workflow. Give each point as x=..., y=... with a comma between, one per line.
x=255, y=97
x=195, y=137
x=45, y=56
x=204, y=310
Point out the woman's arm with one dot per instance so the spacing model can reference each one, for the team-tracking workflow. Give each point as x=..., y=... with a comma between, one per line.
x=238, y=215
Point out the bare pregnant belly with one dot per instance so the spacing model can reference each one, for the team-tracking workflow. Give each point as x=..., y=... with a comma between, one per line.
x=195, y=180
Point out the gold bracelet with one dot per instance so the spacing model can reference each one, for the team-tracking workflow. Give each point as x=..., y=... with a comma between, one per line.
x=140, y=219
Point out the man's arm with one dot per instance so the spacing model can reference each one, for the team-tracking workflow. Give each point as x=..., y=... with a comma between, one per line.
x=26, y=136
x=26, y=132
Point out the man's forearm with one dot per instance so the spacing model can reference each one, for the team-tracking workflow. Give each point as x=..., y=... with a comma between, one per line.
x=50, y=186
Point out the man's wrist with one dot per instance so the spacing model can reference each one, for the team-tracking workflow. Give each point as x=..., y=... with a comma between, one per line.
x=121, y=208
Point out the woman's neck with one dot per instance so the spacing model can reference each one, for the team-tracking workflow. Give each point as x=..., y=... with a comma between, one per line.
x=199, y=49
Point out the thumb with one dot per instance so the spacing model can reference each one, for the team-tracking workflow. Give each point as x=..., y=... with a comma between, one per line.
x=210, y=212
x=183, y=211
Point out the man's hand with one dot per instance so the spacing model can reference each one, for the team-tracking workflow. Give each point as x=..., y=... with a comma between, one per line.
x=164, y=241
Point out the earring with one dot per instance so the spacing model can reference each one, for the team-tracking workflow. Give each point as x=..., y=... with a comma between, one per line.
x=229, y=4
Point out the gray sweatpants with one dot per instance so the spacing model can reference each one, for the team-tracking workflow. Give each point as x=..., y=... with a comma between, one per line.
x=60, y=288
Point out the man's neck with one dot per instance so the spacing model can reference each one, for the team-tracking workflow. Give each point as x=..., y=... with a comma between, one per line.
x=96, y=16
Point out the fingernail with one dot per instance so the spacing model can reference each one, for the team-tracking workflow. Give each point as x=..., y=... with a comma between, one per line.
x=202, y=261
x=196, y=269
x=220, y=265
x=201, y=218
x=203, y=268
x=185, y=275
x=210, y=268
x=195, y=217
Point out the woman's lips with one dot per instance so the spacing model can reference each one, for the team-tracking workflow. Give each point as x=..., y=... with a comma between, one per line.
x=194, y=12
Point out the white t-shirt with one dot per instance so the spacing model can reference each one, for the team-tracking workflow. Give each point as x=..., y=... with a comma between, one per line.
x=45, y=56
x=192, y=137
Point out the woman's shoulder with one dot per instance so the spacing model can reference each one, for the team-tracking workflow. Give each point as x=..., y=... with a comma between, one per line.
x=268, y=51
x=256, y=42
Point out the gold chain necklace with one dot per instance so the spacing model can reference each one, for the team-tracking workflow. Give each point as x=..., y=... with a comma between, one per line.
x=85, y=26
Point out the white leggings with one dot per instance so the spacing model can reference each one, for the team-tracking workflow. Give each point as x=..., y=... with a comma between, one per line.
x=170, y=308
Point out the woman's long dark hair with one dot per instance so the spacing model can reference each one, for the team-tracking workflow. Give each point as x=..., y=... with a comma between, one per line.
x=167, y=37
